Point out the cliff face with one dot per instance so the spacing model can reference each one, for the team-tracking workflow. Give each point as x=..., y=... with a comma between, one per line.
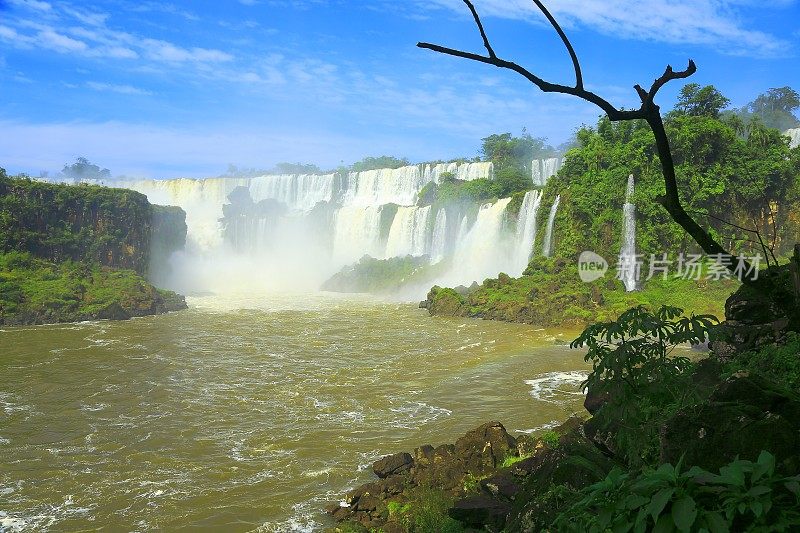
x=168, y=234
x=72, y=253
x=109, y=227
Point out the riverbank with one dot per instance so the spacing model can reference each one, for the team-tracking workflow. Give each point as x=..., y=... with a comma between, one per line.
x=70, y=253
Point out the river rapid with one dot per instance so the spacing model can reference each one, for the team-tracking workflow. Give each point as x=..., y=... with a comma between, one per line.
x=250, y=413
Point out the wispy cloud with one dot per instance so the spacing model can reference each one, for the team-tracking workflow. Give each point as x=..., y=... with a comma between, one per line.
x=68, y=30
x=715, y=23
x=114, y=88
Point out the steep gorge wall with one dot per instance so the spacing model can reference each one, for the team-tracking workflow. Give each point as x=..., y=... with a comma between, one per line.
x=110, y=227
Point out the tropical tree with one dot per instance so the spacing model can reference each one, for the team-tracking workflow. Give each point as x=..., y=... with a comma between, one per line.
x=697, y=101
x=776, y=108
x=82, y=169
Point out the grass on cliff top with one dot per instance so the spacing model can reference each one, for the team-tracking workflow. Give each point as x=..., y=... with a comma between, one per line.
x=551, y=293
x=67, y=291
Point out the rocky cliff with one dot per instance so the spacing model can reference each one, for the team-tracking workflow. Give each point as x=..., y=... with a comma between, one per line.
x=99, y=225
x=71, y=253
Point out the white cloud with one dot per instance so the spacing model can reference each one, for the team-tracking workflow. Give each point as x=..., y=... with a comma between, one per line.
x=86, y=34
x=165, y=51
x=60, y=43
x=701, y=22
x=34, y=4
x=121, y=89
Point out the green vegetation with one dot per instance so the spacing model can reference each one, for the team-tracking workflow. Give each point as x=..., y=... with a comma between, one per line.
x=79, y=223
x=509, y=152
x=80, y=252
x=780, y=364
x=374, y=163
x=550, y=438
x=426, y=512
x=633, y=362
x=634, y=351
x=725, y=177
x=82, y=169
x=657, y=410
x=377, y=276
x=551, y=293
x=744, y=496
x=35, y=291
x=774, y=109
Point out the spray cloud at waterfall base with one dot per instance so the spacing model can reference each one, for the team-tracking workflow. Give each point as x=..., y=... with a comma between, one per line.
x=292, y=232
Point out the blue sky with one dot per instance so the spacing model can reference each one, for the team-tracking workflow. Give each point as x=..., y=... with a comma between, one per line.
x=163, y=89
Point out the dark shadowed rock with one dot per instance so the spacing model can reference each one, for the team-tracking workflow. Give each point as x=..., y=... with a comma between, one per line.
x=486, y=446
x=393, y=464
x=480, y=511
x=743, y=416
x=501, y=485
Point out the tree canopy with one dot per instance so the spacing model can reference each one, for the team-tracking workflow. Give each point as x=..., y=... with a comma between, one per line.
x=383, y=161
x=697, y=101
x=508, y=151
x=82, y=169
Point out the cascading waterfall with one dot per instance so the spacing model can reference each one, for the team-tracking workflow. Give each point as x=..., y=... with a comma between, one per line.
x=482, y=253
x=202, y=199
x=409, y=232
x=794, y=137
x=547, y=247
x=296, y=225
x=628, y=249
x=356, y=233
x=461, y=171
x=384, y=186
x=526, y=229
x=439, y=242
x=544, y=169
x=299, y=192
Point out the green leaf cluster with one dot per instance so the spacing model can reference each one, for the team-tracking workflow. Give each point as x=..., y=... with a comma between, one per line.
x=743, y=496
x=635, y=350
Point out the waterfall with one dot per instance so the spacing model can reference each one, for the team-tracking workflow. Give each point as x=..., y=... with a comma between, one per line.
x=461, y=171
x=384, y=186
x=409, y=232
x=439, y=241
x=481, y=253
x=547, y=247
x=526, y=228
x=794, y=137
x=202, y=199
x=544, y=169
x=628, y=249
x=297, y=191
x=356, y=233
x=311, y=225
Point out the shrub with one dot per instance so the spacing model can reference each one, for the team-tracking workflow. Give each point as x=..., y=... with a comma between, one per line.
x=744, y=496
x=636, y=350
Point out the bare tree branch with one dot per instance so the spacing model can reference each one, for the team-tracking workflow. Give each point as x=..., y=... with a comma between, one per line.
x=648, y=111
x=575, y=63
x=480, y=28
